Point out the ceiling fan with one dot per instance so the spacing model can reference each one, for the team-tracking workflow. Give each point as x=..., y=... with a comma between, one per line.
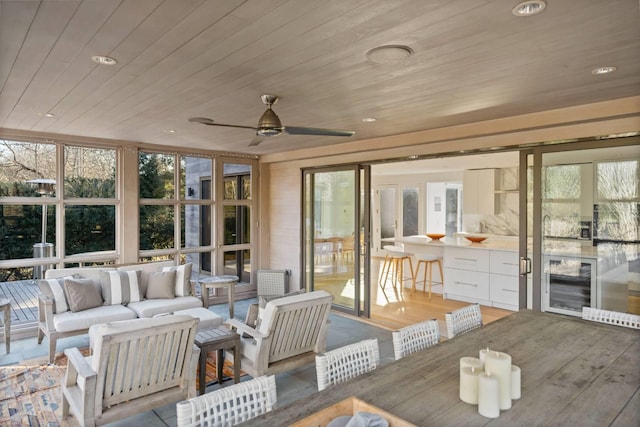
x=270, y=125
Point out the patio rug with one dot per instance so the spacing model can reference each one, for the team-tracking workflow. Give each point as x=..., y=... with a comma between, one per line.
x=30, y=393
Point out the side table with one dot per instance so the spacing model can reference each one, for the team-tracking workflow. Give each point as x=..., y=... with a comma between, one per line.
x=218, y=339
x=5, y=306
x=213, y=282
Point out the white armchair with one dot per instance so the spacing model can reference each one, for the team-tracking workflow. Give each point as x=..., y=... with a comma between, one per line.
x=290, y=332
x=137, y=365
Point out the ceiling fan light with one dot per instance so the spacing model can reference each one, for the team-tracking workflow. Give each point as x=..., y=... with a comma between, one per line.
x=269, y=131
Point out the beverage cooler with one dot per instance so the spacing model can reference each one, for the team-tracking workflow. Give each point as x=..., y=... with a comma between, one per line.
x=569, y=284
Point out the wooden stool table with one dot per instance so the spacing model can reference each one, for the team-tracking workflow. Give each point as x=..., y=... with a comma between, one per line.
x=213, y=282
x=218, y=339
x=5, y=306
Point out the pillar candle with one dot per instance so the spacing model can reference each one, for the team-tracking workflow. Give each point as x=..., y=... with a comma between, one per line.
x=499, y=364
x=488, y=395
x=471, y=362
x=515, y=382
x=469, y=385
x=483, y=354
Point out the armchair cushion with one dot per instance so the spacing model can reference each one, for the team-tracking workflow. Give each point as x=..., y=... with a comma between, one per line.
x=54, y=290
x=82, y=294
x=161, y=285
x=121, y=287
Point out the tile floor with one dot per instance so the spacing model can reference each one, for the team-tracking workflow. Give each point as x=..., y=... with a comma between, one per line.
x=292, y=385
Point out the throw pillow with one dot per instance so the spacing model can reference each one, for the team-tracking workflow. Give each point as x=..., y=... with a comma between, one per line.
x=183, y=279
x=121, y=287
x=82, y=294
x=54, y=289
x=162, y=284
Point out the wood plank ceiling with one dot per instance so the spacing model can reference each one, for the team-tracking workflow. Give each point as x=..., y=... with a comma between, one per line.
x=474, y=60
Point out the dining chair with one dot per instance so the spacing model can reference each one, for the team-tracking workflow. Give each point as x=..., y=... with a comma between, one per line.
x=229, y=405
x=611, y=317
x=415, y=337
x=339, y=365
x=463, y=320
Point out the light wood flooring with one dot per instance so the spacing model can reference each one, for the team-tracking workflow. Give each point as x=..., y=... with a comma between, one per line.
x=393, y=309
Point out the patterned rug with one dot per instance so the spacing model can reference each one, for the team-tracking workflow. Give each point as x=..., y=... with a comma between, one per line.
x=30, y=393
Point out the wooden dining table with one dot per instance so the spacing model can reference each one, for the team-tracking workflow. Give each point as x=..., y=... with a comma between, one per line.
x=574, y=372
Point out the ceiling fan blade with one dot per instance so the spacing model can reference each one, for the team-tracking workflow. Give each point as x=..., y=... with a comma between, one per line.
x=293, y=130
x=210, y=122
x=255, y=141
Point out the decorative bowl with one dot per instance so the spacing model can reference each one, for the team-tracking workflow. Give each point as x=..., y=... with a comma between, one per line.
x=475, y=239
x=435, y=236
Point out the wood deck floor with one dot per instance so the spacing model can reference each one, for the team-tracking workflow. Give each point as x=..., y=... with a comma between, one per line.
x=23, y=295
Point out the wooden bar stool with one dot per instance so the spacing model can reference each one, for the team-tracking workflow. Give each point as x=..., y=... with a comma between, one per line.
x=394, y=265
x=427, y=260
x=5, y=306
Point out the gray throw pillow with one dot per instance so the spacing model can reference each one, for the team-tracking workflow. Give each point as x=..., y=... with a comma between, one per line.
x=183, y=279
x=161, y=285
x=54, y=290
x=121, y=287
x=82, y=294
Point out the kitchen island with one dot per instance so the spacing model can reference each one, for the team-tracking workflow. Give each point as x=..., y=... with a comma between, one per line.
x=484, y=273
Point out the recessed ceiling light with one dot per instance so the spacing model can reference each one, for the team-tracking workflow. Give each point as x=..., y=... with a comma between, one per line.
x=528, y=8
x=413, y=156
x=369, y=119
x=103, y=60
x=170, y=130
x=389, y=54
x=603, y=70
x=48, y=115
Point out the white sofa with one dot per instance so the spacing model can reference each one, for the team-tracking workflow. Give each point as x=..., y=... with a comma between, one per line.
x=56, y=322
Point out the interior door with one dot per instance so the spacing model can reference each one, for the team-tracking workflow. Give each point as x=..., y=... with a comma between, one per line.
x=334, y=233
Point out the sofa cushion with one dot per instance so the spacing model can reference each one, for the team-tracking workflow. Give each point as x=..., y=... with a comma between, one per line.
x=54, y=289
x=94, y=273
x=82, y=294
x=69, y=321
x=162, y=284
x=147, y=268
x=183, y=279
x=151, y=307
x=121, y=287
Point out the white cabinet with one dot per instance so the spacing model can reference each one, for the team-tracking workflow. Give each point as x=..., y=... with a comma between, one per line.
x=478, y=191
x=466, y=274
x=504, y=281
x=485, y=276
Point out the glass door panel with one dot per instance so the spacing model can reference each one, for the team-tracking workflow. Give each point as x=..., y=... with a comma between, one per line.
x=589, y=229
x=332, y=235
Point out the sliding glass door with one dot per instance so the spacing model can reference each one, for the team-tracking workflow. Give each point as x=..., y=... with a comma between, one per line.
x=583, y=228
x=335, y=226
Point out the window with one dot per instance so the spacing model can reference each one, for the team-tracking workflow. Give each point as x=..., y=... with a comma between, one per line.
x=410, y=211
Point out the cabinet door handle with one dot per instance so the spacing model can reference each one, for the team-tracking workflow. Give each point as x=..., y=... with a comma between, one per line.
x=509, y=290
x=475, y=285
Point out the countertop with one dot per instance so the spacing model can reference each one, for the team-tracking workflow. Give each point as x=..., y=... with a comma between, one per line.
x=495, y=244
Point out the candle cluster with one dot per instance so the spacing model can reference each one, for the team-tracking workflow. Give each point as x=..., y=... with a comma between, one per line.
x=490, y=381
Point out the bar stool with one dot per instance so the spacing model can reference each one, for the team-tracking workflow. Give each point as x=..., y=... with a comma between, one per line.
x=428, y=261
x=5, y=306
x=394, y=260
